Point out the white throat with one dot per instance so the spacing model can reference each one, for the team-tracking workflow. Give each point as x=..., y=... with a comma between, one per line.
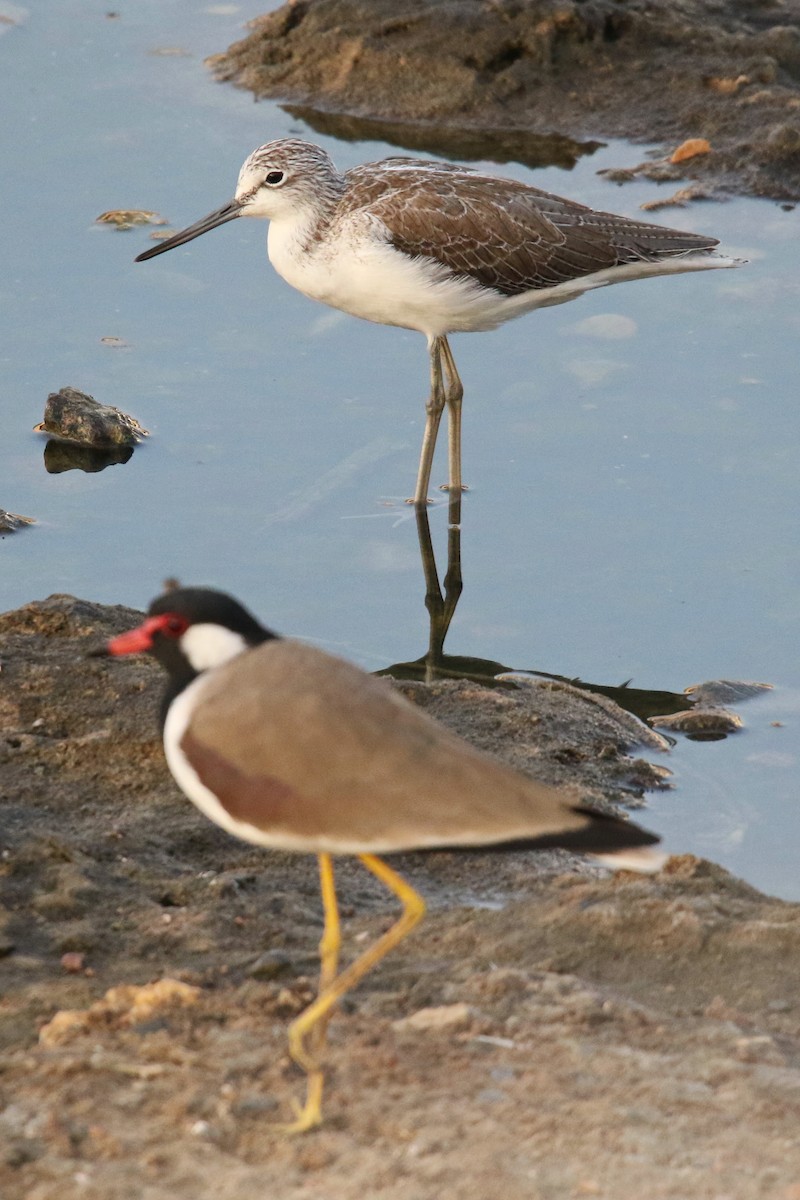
x=208, y=646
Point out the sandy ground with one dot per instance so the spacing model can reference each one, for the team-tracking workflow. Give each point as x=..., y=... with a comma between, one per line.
x=538, y=81
x=591, y=1035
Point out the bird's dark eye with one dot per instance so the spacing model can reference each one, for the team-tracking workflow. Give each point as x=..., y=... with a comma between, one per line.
x=174, y=625
x=274, y=178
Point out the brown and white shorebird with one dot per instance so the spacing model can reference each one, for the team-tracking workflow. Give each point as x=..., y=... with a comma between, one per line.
x=288, y=747
x=438, y=248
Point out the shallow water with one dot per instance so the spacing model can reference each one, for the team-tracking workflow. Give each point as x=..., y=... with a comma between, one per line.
x=632, y=457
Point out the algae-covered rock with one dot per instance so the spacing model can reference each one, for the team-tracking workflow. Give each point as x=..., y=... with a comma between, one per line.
x=77, y=417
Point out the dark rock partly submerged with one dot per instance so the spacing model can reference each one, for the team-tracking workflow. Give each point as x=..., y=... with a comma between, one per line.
x=78, y=417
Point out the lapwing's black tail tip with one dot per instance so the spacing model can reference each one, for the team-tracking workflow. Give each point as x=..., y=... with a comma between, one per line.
x=606, y=838
x=618, y=844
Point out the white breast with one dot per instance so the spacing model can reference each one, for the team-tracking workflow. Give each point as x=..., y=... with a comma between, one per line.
x=360, y=273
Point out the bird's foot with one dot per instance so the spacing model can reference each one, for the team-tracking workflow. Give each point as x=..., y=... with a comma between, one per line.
x=306, y=1116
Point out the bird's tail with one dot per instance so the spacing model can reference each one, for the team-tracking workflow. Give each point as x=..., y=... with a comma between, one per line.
x=615, y=843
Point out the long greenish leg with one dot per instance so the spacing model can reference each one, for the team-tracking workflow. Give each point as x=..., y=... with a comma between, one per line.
x=441, y=605
x=433, y=409
x=454, y=394
x=305, y=1025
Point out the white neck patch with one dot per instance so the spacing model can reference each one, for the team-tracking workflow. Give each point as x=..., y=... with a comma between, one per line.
x=207, y=646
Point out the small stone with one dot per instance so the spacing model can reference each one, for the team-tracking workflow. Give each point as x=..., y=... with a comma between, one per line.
x=73, y=962
x=727, y=85
x=725, y=691
x=270, y=965
x=11, y=522
x=781, y=144
x=690, y=149
x=678, y=199
x=78, y=417
x=127, y=218
x=254, y=1106
x=288, y=1002
x=701, y=724
x=446, y=1016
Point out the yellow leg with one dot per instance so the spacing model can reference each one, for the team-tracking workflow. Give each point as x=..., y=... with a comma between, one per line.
x=310, y=1114
x=319, y=1010
x=329, y=945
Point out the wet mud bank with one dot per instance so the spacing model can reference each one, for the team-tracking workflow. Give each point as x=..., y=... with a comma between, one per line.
x=538, y=81
x=551, y=1031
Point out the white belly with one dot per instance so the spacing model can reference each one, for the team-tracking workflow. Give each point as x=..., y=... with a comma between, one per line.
x=368, y=278
x=365, y=276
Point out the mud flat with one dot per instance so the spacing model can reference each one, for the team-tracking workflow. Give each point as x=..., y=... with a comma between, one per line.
x=539, y=81
x=550, y=1032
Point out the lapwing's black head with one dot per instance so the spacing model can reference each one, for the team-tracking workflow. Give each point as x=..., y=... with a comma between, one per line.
x=191, y=630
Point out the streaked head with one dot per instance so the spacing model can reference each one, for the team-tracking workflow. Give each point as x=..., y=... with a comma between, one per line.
x=285, y=175
x=278, y=179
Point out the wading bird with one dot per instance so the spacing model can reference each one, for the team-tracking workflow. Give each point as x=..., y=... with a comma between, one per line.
x=288, y=747
x=438, y=248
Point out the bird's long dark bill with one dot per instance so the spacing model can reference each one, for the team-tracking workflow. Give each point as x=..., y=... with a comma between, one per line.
x=227, y=213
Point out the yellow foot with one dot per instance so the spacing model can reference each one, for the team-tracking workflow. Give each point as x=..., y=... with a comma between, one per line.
x=308, y=1118
x=308, y=1115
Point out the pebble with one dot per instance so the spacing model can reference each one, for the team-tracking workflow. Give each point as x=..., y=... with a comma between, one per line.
x=78, y=417
x=701, y=724
x=73, y=962
x=127, y=218
x=447, y=1016
x=270, y=965
x=11, y=522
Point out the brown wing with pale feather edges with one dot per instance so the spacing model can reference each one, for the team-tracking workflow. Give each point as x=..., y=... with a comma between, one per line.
x=501, y=233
